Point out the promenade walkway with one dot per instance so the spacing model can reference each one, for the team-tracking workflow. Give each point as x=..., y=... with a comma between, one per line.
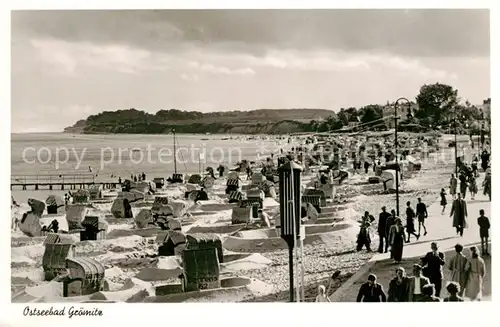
x=440, y=230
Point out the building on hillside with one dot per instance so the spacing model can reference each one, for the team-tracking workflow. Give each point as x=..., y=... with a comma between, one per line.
x=402, y=112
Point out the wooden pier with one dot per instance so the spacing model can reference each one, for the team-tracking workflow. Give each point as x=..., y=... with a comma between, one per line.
x=61, y=182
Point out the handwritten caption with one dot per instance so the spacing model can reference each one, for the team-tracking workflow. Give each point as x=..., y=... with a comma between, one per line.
x=63, y=312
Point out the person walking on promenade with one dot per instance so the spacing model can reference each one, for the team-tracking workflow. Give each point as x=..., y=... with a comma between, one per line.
x=382, y=230
x=371, y=291
x=443, y=200
x=429, y=294
x=421, y=215
x=459, y=213
x=485, y=158
x=364, y=237
x=484, y=231
x=458, y=266
x=396, y=240
x=463, y=184
x=367, y=218
x=322, y=297
x=477, y=271
x=410, y=223
x=472, y=187
x=399, y=287
x=453, y=185
x=474, y=166
x=391, y=220
x=453, y=289
x=434, y=262
x=417, y=283
x=487, y=185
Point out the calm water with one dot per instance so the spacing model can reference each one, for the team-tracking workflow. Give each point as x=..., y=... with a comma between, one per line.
x=111, y=156
x=120, y=155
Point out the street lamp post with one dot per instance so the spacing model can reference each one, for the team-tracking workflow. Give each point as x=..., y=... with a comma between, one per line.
x=456, y=150
x=481, y=134
x=396, y=145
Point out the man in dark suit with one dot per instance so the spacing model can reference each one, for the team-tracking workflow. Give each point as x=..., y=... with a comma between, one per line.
x=459, y=213
x=417, y=283
x=434, y=262
x=382, y=230
x=371, y=291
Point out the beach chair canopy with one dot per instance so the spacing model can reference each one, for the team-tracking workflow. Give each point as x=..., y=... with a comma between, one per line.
x=194, y=179
x=251, y=202
x=176, y=237
x=85, y=268
x=159, y=180
x=81, y=196
x=98, y=222
x=201, y=241
x=53, y=238
x=37, y=207
x=235, y=195
x=54, y=201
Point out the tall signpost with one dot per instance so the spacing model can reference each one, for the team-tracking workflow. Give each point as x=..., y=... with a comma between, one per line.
x=290, y=210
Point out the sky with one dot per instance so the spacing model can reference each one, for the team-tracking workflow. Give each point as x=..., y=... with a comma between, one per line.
x=67, y=65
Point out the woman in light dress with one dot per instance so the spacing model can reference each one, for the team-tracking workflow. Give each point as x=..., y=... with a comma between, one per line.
x=322, y=297
x=476, y=272
x=458, y=266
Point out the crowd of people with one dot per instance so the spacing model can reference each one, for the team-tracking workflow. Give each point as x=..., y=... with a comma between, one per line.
x=467, y=275
x=391, y=231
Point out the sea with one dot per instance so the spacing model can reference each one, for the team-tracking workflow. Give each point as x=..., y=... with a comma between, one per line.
x=122, y=155
x=110, y=156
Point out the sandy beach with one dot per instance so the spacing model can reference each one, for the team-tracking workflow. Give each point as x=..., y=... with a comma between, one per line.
x=256, y=264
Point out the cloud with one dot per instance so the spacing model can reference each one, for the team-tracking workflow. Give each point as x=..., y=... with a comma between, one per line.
x=415, y=32
x=190, y=77
x=70, y=64
x=211, y=68
x=72, y=56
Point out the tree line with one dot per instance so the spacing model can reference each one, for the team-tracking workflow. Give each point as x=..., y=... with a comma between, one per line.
x=438, y=108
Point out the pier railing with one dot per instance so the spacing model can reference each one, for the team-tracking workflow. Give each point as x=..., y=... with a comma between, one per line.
x=50, y=180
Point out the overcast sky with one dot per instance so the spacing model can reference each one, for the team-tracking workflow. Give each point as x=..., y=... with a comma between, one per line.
x=67, y=65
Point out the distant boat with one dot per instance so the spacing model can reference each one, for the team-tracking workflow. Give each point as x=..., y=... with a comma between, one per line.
x=204, y=139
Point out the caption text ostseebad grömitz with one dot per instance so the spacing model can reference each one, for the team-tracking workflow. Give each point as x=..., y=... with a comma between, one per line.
x=70, y=312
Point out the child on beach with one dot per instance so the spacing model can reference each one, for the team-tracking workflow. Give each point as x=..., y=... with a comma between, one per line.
x=443, y=200
x=322, y=297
